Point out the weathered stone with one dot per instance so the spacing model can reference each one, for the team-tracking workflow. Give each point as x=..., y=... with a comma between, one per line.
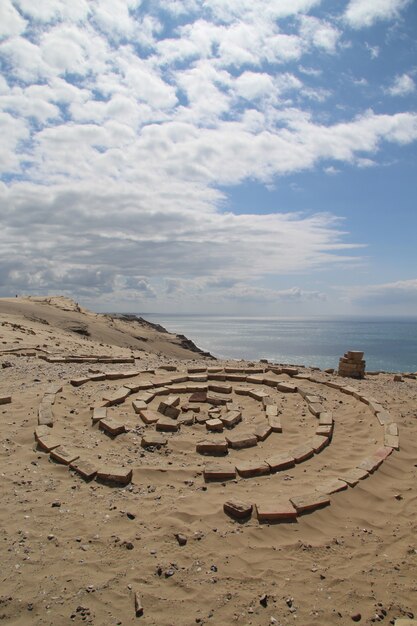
x=113, y=474
x=353, y=476
x=392, y=441
x=271, y=410
x=241, y=440
x=383, y=417
x=231, y=418
x=370, y=464
x=236, y=378
x=275, y=423
x=84, y=468
x=238, y=509
x=196, y=370
x=82, y=380
x=302, y=452
x=201, y=418
x=324, y=431
x=45, y=416
x=332, y=485
x=153, y=440
x=326, y=418
x=139, y=405
x=382, y=453
x=214, y=424
x=166, y=424
x=197, y=378
x=48, y=442
x=52, y=388
x=220, y=388
x=275, y=511
x=216, y=398
x=316, y=409
x=258, y=394
x=198, y=396
x=187, y=419
x=212, y=447
x=42, y=431
x=170, y=411
x=310, y=502
x=112, y=426
x=280, y=461
x=258, y=379
x=318, y=443
x=290, y=371
x=149, y=416
x=219, y=471
x=241, y=390
x=5, y=399
x=311, y=399
x=247, y=469
x=138, y=605
x=64, y=455
x=117, y=397
x=263, y=431
x=286, y=387
x=99, y=413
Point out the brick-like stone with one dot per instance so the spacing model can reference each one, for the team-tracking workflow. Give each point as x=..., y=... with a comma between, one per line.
x=116, y=397
x=212, y=447
x=198, y=396
x=392, y=441
x=139, y=405
x=318, y=443
x=217, y=388
x=275, y=423
x=45, y=415
x=238, y=509
x=48, y=442
x=286, y=387
x=290, y=371
x=370, y=464
x=231, y=418
x=149, y=416
x=219, y=471
x=302, y=452
x=316, y=409
x=217, y=399
x=153, y=440
x=187, y=419
x=99, y=413
x=241, y=390
x=383, y=417
x=85, y=468
x=53, y=388
x=81, y=380
x=310, y=502
x=241, y=440
x=312, y=399
x=324, y=431
x=248, y=469
x=112, y=426
x=258, y=394
x=113, y=474
x=271, y=410
x=332, y=485
x=166, y=424
x=353, y=476
x=326, y=418
x=263, y=431
x=64, y=455
x=280, y=461
x=275, y=511
x=214, y=425
x=382, y=453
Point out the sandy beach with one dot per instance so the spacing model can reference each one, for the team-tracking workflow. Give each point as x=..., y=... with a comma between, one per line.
x=326, y=467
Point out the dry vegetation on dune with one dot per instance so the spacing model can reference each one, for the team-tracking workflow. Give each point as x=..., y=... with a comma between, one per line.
x=160, y=550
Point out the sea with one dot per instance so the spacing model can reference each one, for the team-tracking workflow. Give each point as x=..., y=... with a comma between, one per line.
x=389, y=344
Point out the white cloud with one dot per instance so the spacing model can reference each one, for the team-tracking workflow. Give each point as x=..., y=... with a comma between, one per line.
x=11, y=22
x=364, y=13
x=393, y=295
x=319, y=33
x=402, y=86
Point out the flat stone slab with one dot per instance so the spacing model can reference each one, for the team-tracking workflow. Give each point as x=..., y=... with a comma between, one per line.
x=258, y=395
x=326, y=418
x=219, y=471
x=263, y=431
x=117, y=397
x=64, y=455
x=392, y=441
x=353, y=476
x=197, y=378
x=215, y=425
x=271, y=410
x=241, y=440
x=280, y=461
x=310, y=502
x=318, y=443
x=332, y=485
x=231, y=418
x=212, y=447
x=274, y=421
x=138, y=406
x=53, y=388
x=153, y=440
x=324, y=431
x=170, y=407
x=201, y=418
x=216, y=398
x=275, y=511
x=42, y=431
x=5, y=399
x=166, y=424
x=198, y=396
x=45, y=415
x=149, y=416
x=248, y=469
x=316, y=409
x=382, y=453
x=187, y=419
x=241, y=390
x=383, y=417
x=217, y=388
x=370, y=464
x=238, y=509
x=112, y=426
x=99, y=413
x=84, y=468
x=312, y=399
x=81, y=380
x=302, y=452
x=113, y=474
x=48, y=442
x=286, y=387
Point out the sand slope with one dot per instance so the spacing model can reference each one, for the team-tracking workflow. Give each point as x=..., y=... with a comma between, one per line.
x=75, y=552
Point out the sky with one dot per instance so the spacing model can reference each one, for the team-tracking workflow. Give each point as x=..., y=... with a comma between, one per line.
x=244, y=157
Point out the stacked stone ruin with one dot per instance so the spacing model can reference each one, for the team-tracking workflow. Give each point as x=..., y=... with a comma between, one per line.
x=352, y=364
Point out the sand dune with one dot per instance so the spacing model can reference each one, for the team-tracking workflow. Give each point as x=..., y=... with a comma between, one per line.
x=76, y=551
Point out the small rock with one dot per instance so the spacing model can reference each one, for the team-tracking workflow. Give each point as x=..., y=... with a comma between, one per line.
x=356, y=617
x=182, y=539
x=56, y=503
x=263, y=600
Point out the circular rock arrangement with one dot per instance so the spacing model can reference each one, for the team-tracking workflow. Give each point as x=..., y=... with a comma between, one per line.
x=238, y=408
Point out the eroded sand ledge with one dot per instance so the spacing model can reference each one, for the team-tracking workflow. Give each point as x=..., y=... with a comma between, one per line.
x=76, y=551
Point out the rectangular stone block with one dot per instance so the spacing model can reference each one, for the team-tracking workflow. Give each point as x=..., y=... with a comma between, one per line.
x=271, y=410
x=212, y=447
x=319, y=442
x=236, y=378
x=116, y=397
x=332, y=485
x=217, y=398
x=166, y=424
x=241, y=440
x=353, y=476
x=219, y=471
x=197, y=378
x=64, y=455
x=149, y=416
x=242, y=391
x=111, y=426
x=310, y=502
x=216, y=376
x=196, y=370
x=275, y=423
x=258, y=394
x=238, y=509
x=247, y=469
x=113, y=474
x=214, y=425
x=383, y=417
x=263, y=431
x=324, y=431
x=53, y=388
x=231, y=418
x=139, y=405
x=5, y=399
x=312, y=399
x=286, y=387
x=290, y=371
x=280, y=461
x=45, y=415
x=48, y=442
x=316, y=409
x=217, y=388
x=382, y=453
x=369, y=464
x=392, y=441
x=198, y=396
x=326, y=418
x=86, y=469
x=302, y=452
x=153, y=440
x=81, y=380
x=255, y=378
x=99, y=413
x=275, y=511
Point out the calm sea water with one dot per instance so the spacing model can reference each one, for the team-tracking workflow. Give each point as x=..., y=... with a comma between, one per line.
x=389, y=344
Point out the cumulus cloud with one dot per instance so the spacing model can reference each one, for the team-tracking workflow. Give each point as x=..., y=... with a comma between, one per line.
x=402, y=86
x=364, y=13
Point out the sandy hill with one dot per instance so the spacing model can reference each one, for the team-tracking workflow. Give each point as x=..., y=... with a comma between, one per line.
x=126, y=460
